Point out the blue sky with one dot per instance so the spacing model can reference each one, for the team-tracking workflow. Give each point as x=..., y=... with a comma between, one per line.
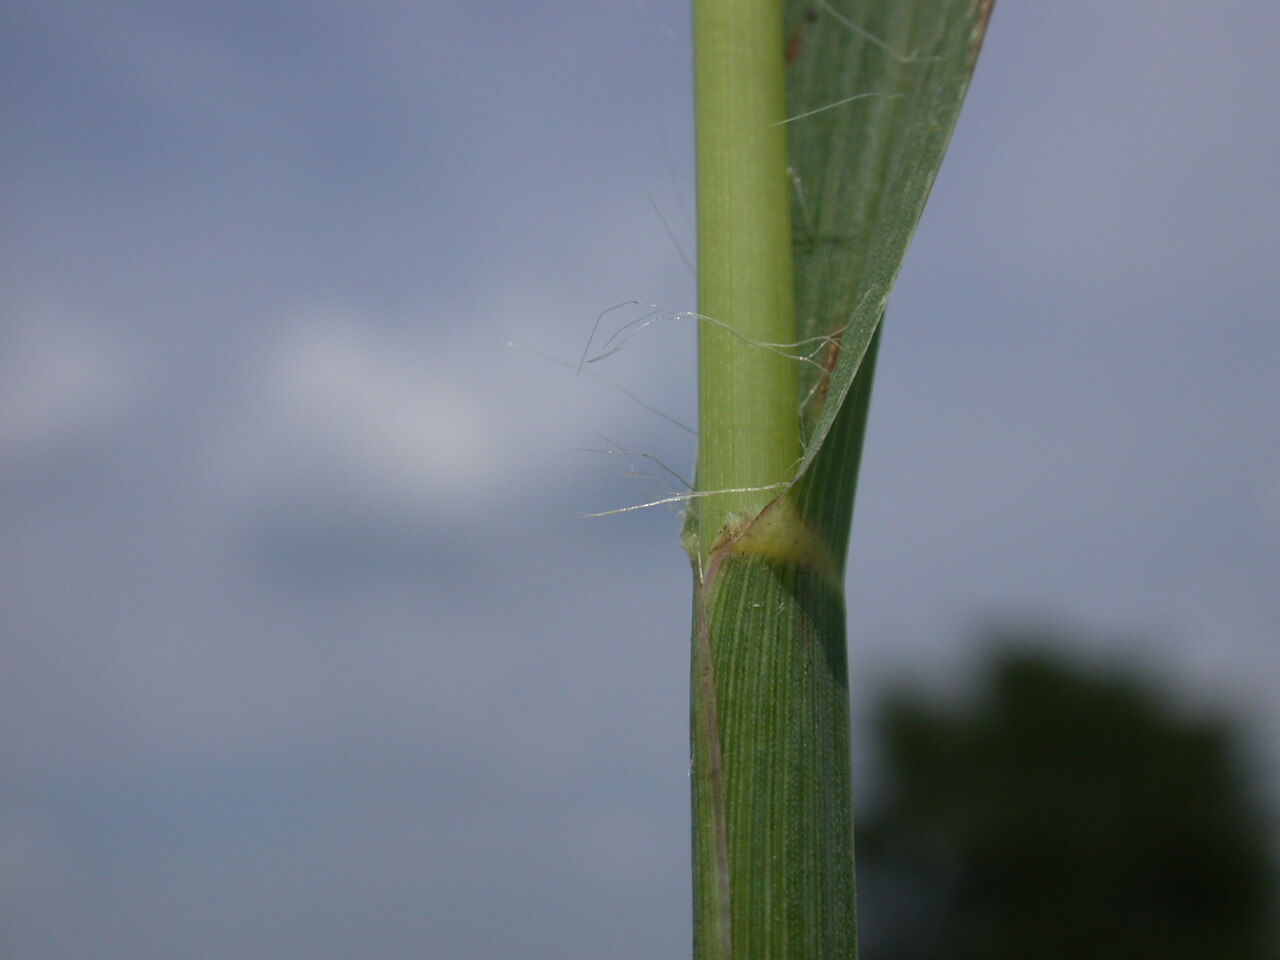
x=304, y=648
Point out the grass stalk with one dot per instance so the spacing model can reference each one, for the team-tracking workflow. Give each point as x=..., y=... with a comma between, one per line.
x=820, y=128
x=749, y=437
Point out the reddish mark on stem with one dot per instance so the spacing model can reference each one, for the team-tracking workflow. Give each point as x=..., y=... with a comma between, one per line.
x=794, y=45
x=830, y=356
x=796, y=42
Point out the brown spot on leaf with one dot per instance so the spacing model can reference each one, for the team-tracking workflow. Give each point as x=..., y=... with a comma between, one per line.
x=984, y=8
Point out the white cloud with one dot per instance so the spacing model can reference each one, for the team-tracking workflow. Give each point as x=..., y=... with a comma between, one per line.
x=359, y=420
x=344, y=420
x=62, y=384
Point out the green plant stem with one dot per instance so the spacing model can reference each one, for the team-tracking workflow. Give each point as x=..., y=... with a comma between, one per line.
x=749, y=433
x=773, y=868
x=873, y=90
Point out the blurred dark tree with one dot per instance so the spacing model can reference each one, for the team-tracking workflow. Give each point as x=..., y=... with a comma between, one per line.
x=1062, y=812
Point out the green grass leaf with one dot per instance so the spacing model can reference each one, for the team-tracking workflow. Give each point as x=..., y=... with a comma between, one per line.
x=874, y=89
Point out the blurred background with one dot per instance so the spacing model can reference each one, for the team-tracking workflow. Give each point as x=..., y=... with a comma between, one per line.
x=305, y=649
